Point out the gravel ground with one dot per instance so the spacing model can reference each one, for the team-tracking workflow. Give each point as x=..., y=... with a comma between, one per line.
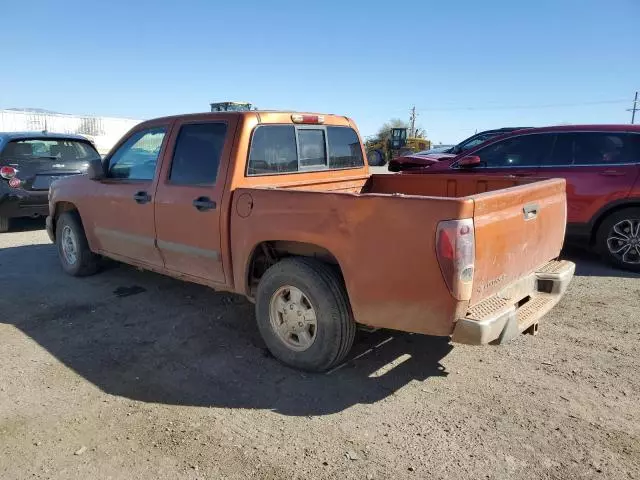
x=128, y=374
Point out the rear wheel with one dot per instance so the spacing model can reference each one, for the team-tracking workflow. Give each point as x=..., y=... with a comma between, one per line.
x=303, y=314
x=76, y=257
x=4, y=224
x=375, y=158
x=618, y=239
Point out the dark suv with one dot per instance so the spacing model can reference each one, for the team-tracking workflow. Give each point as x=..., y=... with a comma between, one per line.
x=29, y=163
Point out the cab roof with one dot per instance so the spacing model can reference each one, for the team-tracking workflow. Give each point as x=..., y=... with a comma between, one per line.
x=264, y=116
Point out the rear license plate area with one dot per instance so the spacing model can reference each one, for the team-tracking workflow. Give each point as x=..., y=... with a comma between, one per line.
x=43, y=182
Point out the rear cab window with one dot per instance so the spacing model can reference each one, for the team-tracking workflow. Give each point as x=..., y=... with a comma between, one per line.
x=277, y=149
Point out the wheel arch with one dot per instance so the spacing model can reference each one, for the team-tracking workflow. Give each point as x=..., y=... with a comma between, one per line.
x=269, y=252
x=60, y=208
x=608, y=210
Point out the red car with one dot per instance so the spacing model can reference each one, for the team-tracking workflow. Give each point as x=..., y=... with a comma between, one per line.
x=427, y=157
x=601, y=164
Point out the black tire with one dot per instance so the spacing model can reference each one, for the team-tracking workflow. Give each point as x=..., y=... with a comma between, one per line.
x=622, y=219
x=4, y=224
x=325, y=290
x=375, y=158
x=86, y=261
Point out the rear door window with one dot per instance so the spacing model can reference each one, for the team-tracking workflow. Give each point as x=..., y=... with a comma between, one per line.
x=603, y=148
x=288, y=149
x=595, y=148
x=196, y=157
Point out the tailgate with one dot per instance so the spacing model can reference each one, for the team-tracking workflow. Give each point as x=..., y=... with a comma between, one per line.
x=517, y=230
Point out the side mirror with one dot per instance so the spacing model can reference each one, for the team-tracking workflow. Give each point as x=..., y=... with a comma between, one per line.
x=95, y=170
x=470, y=162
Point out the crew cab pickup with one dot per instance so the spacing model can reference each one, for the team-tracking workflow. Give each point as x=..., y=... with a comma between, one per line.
x=280, y=207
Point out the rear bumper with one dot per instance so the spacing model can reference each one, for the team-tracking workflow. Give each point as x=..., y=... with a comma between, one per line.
x=502, y=317
x=22, y=203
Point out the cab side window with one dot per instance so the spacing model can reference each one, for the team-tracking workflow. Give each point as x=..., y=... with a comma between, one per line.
x=137, y=157
x=521, y=151
x=196, y=158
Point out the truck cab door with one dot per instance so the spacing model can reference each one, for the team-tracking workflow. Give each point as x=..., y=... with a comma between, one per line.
x=189, y=198
x=121, y=209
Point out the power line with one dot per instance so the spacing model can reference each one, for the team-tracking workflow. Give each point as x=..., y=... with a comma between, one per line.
x=524, y=107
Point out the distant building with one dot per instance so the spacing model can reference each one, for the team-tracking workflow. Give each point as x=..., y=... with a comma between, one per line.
x=104, y=132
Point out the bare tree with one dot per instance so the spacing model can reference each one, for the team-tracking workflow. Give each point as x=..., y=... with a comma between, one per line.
x=384, y=132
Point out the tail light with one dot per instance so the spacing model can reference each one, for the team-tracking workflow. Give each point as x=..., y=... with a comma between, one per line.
x=8, y=172
x=455, y=249
x=311, y=119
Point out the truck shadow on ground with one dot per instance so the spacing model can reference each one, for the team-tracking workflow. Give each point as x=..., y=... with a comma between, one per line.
x=154, y=339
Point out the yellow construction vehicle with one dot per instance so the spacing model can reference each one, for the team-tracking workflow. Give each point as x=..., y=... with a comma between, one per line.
x=379, y=152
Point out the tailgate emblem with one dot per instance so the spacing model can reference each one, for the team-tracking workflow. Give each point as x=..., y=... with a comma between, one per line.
x=58, y=165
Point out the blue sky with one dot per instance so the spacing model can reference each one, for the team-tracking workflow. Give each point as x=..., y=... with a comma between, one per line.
x=466, y=65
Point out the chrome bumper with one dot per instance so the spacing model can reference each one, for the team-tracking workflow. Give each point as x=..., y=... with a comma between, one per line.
x=500, y=318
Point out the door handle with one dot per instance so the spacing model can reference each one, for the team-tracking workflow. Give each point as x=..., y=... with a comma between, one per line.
x=203, y=204
x=142, y=197
x=612, y=173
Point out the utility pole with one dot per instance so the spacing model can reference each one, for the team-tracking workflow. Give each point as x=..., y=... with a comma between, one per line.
x=412, y=119
x=634, y=109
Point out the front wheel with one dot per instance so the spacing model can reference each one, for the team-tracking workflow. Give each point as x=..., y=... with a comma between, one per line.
x=303, y=314
x=76, y=257
x=4, y=224
x=618, y=239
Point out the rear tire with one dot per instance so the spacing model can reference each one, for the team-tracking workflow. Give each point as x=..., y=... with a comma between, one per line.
x=303, y=314
x=618, y=239
x=4, y=224
x=375, y=158
x=76, y=257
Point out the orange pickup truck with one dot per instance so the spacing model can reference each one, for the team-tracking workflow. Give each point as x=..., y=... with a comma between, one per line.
x=281, y=208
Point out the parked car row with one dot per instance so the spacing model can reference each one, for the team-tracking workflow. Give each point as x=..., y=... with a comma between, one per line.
x=281, y=208
x=600, y=163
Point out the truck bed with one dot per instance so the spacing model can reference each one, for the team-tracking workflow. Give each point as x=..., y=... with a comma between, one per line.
x=370, y=225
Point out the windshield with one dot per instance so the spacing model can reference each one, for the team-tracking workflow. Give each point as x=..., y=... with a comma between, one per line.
x=54, y=149
x=474, y=141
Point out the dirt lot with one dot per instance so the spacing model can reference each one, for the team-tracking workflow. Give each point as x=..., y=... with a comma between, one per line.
x=128, y=374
